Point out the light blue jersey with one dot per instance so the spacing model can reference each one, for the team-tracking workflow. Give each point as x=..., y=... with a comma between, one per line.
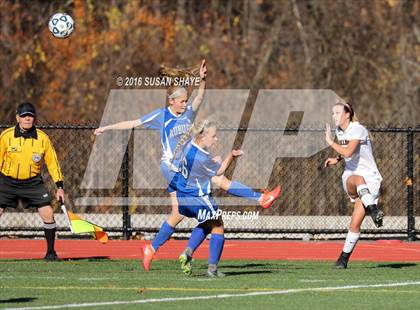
x=171, y=128
x=193, y=183
x=196, y=170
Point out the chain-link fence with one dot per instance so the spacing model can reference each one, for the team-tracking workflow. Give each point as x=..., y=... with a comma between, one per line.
x=312, y=202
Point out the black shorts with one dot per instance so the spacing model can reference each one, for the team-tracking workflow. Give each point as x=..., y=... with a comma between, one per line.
x=31, y=192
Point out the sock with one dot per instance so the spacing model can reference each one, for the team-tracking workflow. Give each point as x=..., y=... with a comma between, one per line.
x=365, y=195
x=216, y=247
x=351, y=241
x=49, y=231
x=197, y=237
x=241, y=190
x=188, y=251
x=212, y=267
x=165, y=232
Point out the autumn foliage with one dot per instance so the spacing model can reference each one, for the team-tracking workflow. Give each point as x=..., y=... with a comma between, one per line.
x=366, y=51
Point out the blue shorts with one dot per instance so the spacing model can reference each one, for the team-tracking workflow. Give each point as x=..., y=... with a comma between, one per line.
x=201, y=208
x=169, y=176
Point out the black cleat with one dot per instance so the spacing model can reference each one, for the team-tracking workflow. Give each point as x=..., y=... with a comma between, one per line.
x=376, y=215
x=342, y=261
x=51, y=256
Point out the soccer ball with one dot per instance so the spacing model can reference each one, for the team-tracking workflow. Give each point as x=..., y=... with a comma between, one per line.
x=61, y=25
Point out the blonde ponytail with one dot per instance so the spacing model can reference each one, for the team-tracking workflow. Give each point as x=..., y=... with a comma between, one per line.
x=182, y=141
x=196, y=129
x=165, y=71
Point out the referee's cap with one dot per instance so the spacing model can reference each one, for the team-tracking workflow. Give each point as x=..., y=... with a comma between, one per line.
x=26, y=108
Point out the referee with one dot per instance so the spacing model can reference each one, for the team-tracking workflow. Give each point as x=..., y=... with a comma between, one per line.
x=23, y=148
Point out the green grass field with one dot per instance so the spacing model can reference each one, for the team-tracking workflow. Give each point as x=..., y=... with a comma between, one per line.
x=278, y=285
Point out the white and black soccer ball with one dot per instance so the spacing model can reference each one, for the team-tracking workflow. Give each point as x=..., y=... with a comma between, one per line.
x=61, y=25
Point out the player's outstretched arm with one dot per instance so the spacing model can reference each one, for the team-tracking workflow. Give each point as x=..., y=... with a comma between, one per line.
x=118, y=126
x=228, y=160
x=201, y=89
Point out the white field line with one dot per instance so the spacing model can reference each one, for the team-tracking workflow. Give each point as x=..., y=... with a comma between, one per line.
x=221, y=296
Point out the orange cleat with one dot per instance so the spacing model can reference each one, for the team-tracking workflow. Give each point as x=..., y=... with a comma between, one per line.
x=148, y=253
x=267, y=198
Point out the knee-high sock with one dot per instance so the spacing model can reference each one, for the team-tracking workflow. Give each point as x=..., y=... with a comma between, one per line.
x=198, y=235
x=217, y=242
x=351, y=241
x=241, y=190
x=163, y=235
x=49, y=231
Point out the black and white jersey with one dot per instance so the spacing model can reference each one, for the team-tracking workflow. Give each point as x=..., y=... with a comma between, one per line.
x=362, y=161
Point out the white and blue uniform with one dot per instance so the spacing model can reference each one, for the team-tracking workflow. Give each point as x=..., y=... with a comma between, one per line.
x=171, y=128
x=194, y=183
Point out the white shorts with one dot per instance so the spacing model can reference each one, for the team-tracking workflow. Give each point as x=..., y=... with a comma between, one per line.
x=373, y=184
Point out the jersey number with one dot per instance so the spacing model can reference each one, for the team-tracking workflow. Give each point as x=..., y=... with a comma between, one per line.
x=184, y=170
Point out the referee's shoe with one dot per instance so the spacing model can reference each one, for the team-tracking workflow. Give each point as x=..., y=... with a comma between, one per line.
x=51, y=256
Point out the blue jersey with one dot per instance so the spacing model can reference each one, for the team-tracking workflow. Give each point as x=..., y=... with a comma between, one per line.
x=171, y=128
x=195, y=172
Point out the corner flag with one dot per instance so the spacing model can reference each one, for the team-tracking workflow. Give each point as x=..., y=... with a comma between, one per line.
x=79, y=226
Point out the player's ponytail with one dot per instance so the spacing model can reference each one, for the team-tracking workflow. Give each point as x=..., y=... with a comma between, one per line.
x=175, y=91
x=348, y=107
x=182, y=141
x=355, y=118
x=196, y=130
x=165, y=71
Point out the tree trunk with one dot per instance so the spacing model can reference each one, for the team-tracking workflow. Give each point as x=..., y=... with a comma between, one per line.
x=156, y=8
x=180, y=12
x=253, y=19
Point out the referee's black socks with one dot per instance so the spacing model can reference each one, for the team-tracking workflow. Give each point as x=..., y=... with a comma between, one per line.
x=49, y=230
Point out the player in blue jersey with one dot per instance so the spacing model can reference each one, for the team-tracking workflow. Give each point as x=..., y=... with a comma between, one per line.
x=194, y=185
x=172, y=123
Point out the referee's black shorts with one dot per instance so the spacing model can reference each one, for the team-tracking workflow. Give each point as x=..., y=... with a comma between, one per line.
x=32, y=192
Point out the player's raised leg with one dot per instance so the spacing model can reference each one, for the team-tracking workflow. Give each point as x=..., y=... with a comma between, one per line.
x=238, y=189
x=234, y=188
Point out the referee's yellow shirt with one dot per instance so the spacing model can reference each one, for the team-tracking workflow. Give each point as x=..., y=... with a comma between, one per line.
x=21, y=156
